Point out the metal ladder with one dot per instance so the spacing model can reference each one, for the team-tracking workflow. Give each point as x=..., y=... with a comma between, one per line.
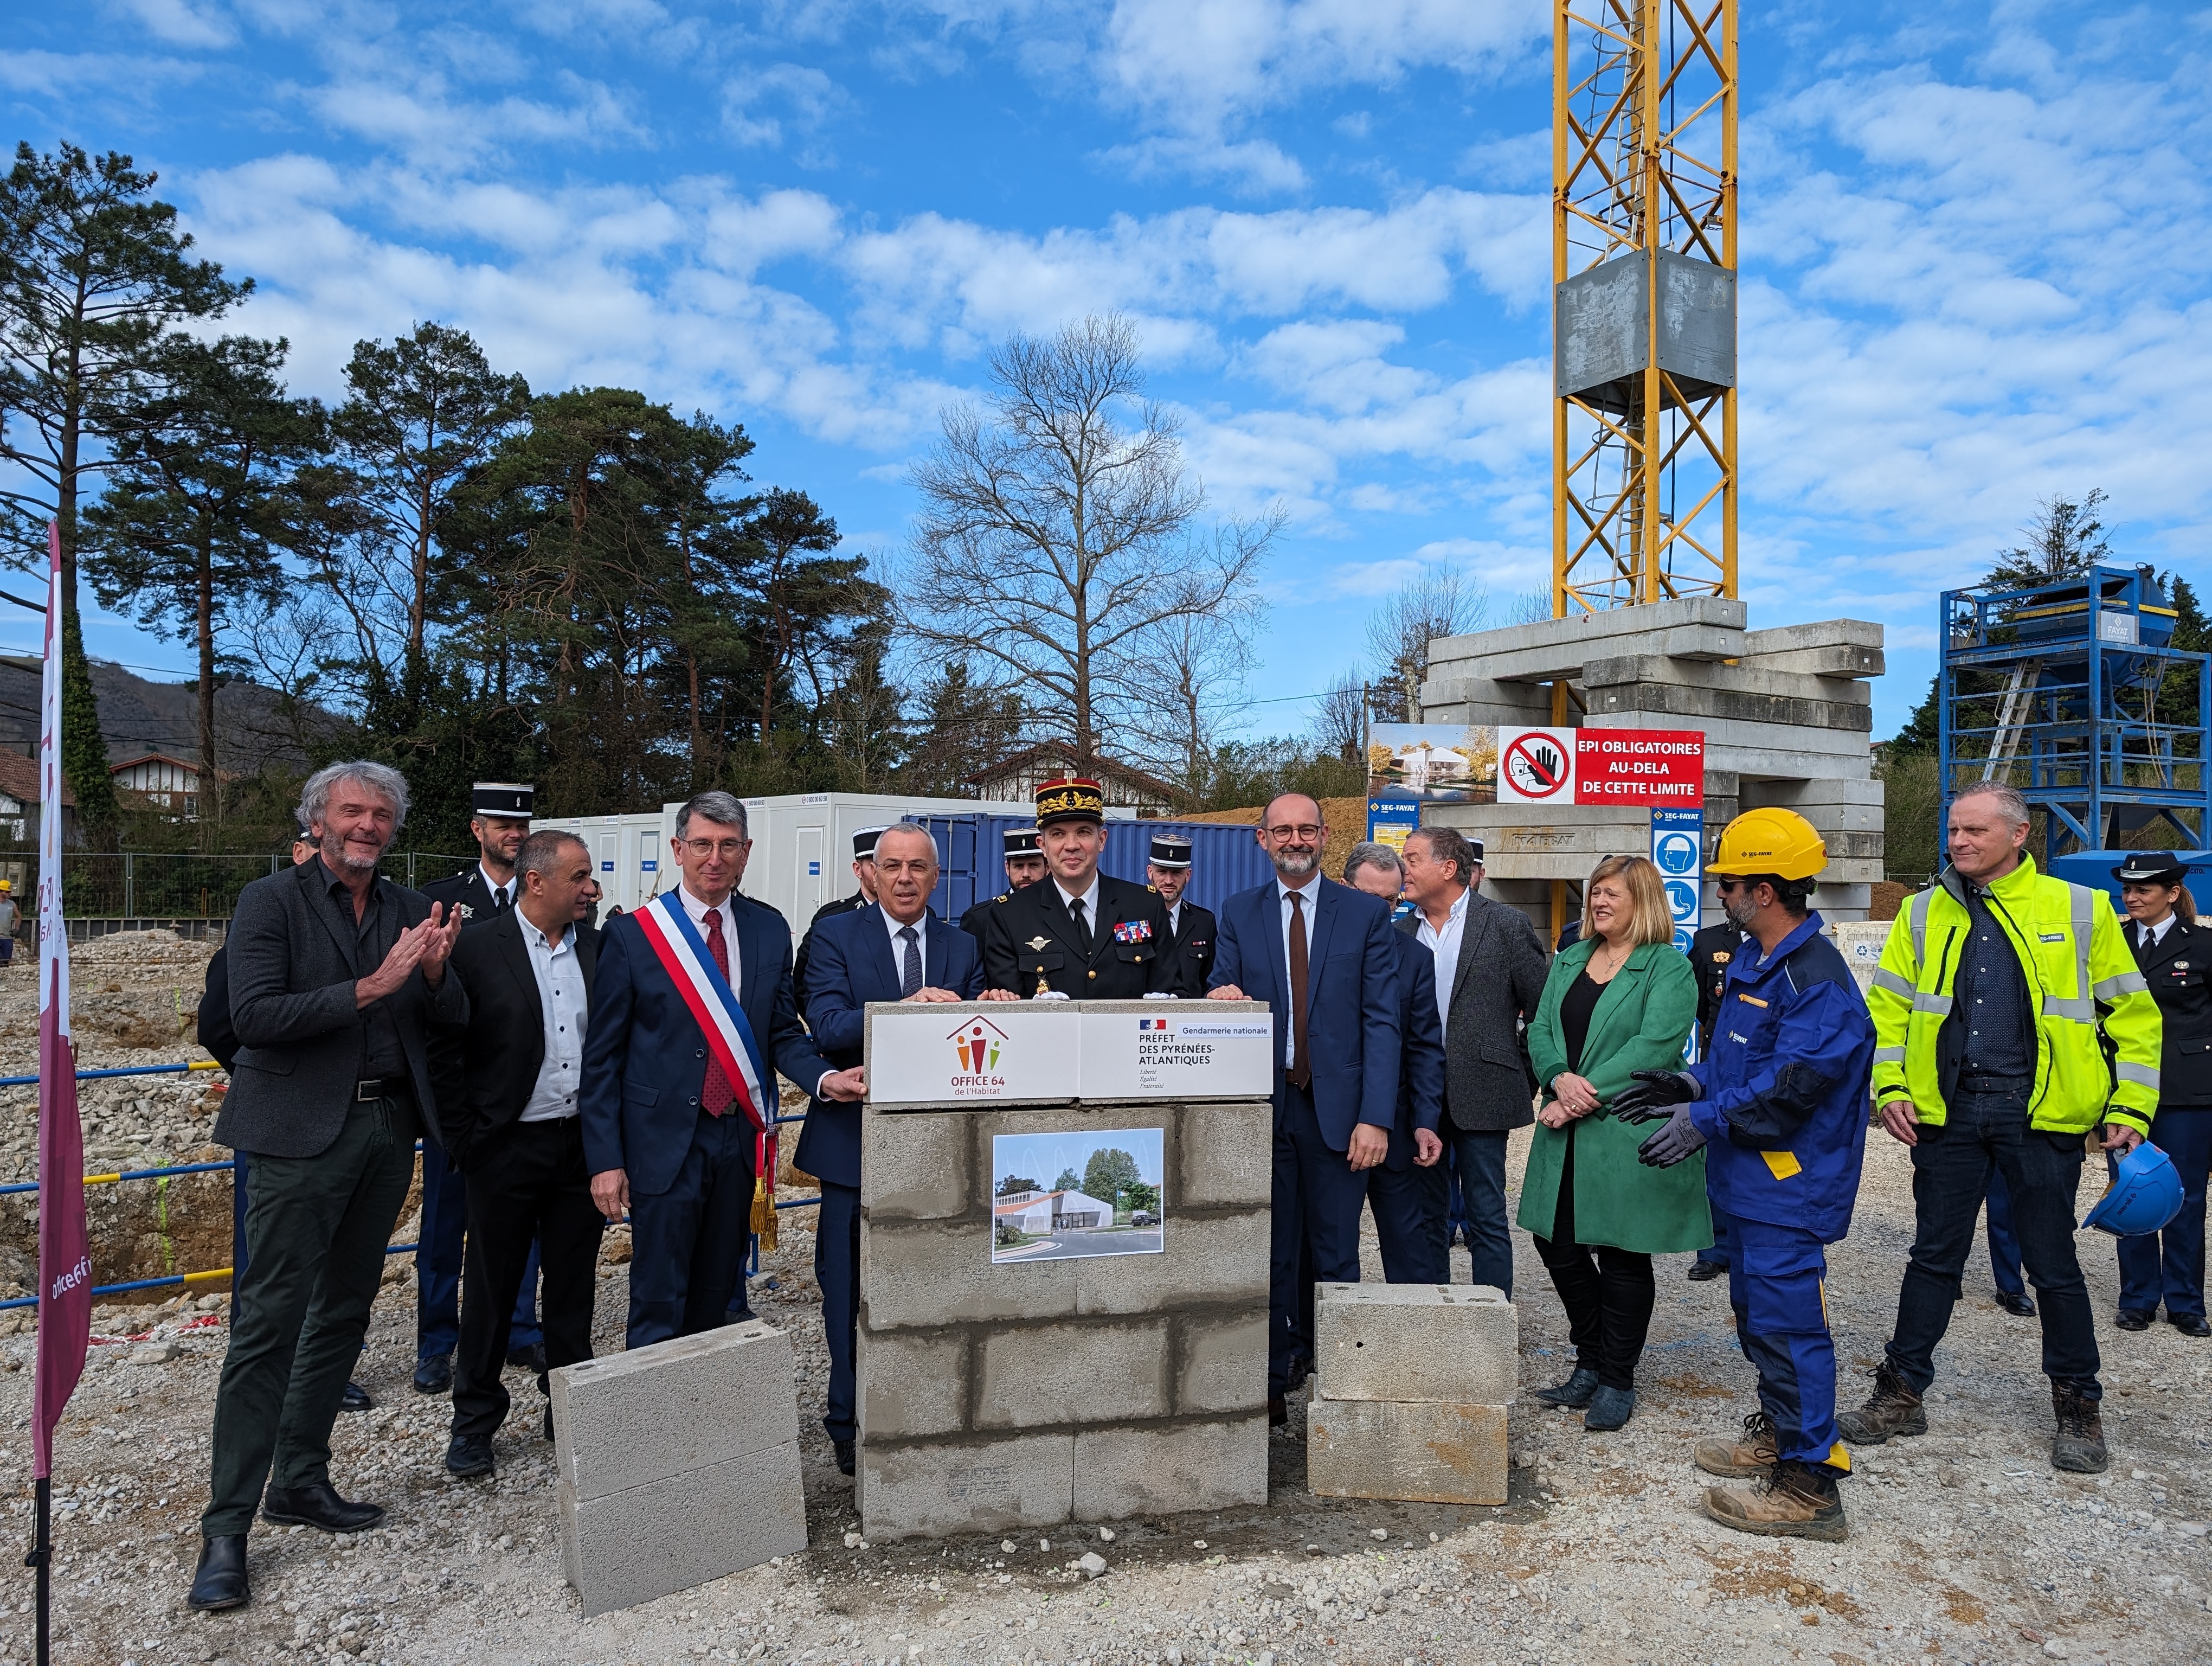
x=2011, y=719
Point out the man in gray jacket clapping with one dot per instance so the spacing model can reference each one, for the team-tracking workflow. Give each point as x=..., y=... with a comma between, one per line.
x=335, y=976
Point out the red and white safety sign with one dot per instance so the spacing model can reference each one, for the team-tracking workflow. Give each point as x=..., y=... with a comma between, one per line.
x=1536, y=766
x=1602, y=766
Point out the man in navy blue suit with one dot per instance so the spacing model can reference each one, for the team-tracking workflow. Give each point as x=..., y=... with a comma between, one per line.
x=665, y=1134
x=1406, y=1189
x=1319, y=955
x=895, y=950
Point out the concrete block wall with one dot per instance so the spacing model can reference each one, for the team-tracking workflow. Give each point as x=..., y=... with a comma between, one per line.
x=1416, y=1382
x=1786, y=713
x=1024, y=1395
x=676, y=1463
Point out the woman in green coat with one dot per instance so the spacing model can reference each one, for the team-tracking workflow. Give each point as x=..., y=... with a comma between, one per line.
x=1621, y=999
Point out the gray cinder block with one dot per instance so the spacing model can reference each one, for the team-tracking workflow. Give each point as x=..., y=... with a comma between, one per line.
x=942, y=1274
x=1426, y=1450
x=678, y=1406
x=978, y=1486
x=1209, y=1260
x=1227, y=1152
x=1224, y=1365
x=1416, y=1342
x=912, y=1382
x=1119, y=1473
x=917, y=1165
x=629, y=1546
x=1040, y=1375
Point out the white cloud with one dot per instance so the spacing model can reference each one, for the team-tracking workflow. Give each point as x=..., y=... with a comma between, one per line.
x=807, y=97
x=179, y=23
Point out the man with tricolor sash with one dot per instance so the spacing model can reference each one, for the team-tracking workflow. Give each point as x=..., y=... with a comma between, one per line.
x=692, y=1004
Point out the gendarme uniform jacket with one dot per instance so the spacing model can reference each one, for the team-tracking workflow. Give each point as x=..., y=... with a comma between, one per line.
x=467, y=892
x=1193, y=948
x=2179, y=968
x=2070, y=951
x=1712, y=950
x=851, y=904
x=1028, y=936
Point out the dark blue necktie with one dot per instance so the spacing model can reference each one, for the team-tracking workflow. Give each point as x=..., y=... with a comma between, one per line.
x=910, y=961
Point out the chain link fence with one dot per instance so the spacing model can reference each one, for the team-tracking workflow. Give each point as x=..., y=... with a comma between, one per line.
x=187, y=889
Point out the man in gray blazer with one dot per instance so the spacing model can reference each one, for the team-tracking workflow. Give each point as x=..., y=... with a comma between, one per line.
x=335, y=976
x=1490, y=975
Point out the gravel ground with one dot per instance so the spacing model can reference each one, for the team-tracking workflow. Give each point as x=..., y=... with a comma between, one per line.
x=1966, y=1545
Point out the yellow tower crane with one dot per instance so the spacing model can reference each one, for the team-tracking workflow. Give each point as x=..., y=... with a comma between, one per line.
x=1643, y=264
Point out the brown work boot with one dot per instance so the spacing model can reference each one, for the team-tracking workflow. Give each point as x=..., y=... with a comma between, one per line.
x=2079, y=1446
x=1793, y=1501
x=1754, y=1455
x=1891, y=1409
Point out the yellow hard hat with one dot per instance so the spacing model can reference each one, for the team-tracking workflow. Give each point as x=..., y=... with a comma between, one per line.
x=1777, y=841
x=7, y=884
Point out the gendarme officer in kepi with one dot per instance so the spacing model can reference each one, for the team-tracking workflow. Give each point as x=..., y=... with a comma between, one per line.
x=1024, y=866
x=1191, y=926
x=1079, y=934
x=863, y=874
x=499, y=819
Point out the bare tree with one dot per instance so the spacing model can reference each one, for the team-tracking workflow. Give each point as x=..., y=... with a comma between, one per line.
x=1532, y=606
x=2064, y=540
x=1199, y=661
x=1339, y=719
x=1441, y=600
x=1060, y=536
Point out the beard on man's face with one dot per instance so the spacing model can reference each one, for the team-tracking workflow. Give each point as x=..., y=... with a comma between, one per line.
x=1297, y=864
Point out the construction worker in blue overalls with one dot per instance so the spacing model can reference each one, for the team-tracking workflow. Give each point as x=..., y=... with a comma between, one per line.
x=1779, y=1107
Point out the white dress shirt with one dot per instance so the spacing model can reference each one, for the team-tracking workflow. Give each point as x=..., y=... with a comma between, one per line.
x=1174, y=918
x=561, y=1000
x=1444, y=946
x=505, y=892
x=1310, y=897
x=2157, y=934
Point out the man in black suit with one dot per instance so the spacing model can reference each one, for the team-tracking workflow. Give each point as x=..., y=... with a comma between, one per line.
x=499, y=823
x=1406, y=1190
x=1080, y=935
x=1024, y=866
x=508, y=1085
x=336, y=976
x=214, y=1030
x=864, y=875
x=1190, y=927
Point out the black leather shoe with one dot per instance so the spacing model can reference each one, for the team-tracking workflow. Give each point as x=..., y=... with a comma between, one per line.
x=1701, y=1270
x=530, y=1358
x=844, y=1457
x=435, y=1375
x=356, y=1399
x=548, y=1423
x=1576, y=1392
x=2017, y=1302
x=318, y=1505
x=1278, y=1414
x=469, y=1456
x=219, y=1582
x=2190, y=1324
x=2130, y=1320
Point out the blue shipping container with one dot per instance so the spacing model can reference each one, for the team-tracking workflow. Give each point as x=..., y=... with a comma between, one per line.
x=2095, y=868
x=1226, y=858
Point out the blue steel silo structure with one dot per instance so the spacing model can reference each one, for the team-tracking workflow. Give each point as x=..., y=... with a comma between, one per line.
x=2073, y=693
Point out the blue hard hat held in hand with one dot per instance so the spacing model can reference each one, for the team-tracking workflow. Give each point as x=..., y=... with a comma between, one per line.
x=2144, y=1196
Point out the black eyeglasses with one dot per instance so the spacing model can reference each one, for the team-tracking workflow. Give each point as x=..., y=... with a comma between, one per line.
x=1725, y=882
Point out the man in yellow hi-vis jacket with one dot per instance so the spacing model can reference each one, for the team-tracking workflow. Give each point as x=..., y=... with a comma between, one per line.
x=1985, y=1016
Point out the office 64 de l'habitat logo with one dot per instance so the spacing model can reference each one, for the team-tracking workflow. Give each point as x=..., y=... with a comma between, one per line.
x=978, y=1045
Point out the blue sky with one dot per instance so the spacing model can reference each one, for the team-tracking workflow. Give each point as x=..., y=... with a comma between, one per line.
x=1975, y=244
x=1044, y=1157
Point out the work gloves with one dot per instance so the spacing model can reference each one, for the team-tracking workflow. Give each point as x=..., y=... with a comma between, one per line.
x=1654, y=1090
x=1677, y=1139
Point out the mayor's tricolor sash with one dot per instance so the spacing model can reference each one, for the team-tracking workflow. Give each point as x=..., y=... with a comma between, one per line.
x=682, y=955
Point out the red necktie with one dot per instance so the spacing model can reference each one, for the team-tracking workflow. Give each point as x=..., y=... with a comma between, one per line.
x=718, y=1096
